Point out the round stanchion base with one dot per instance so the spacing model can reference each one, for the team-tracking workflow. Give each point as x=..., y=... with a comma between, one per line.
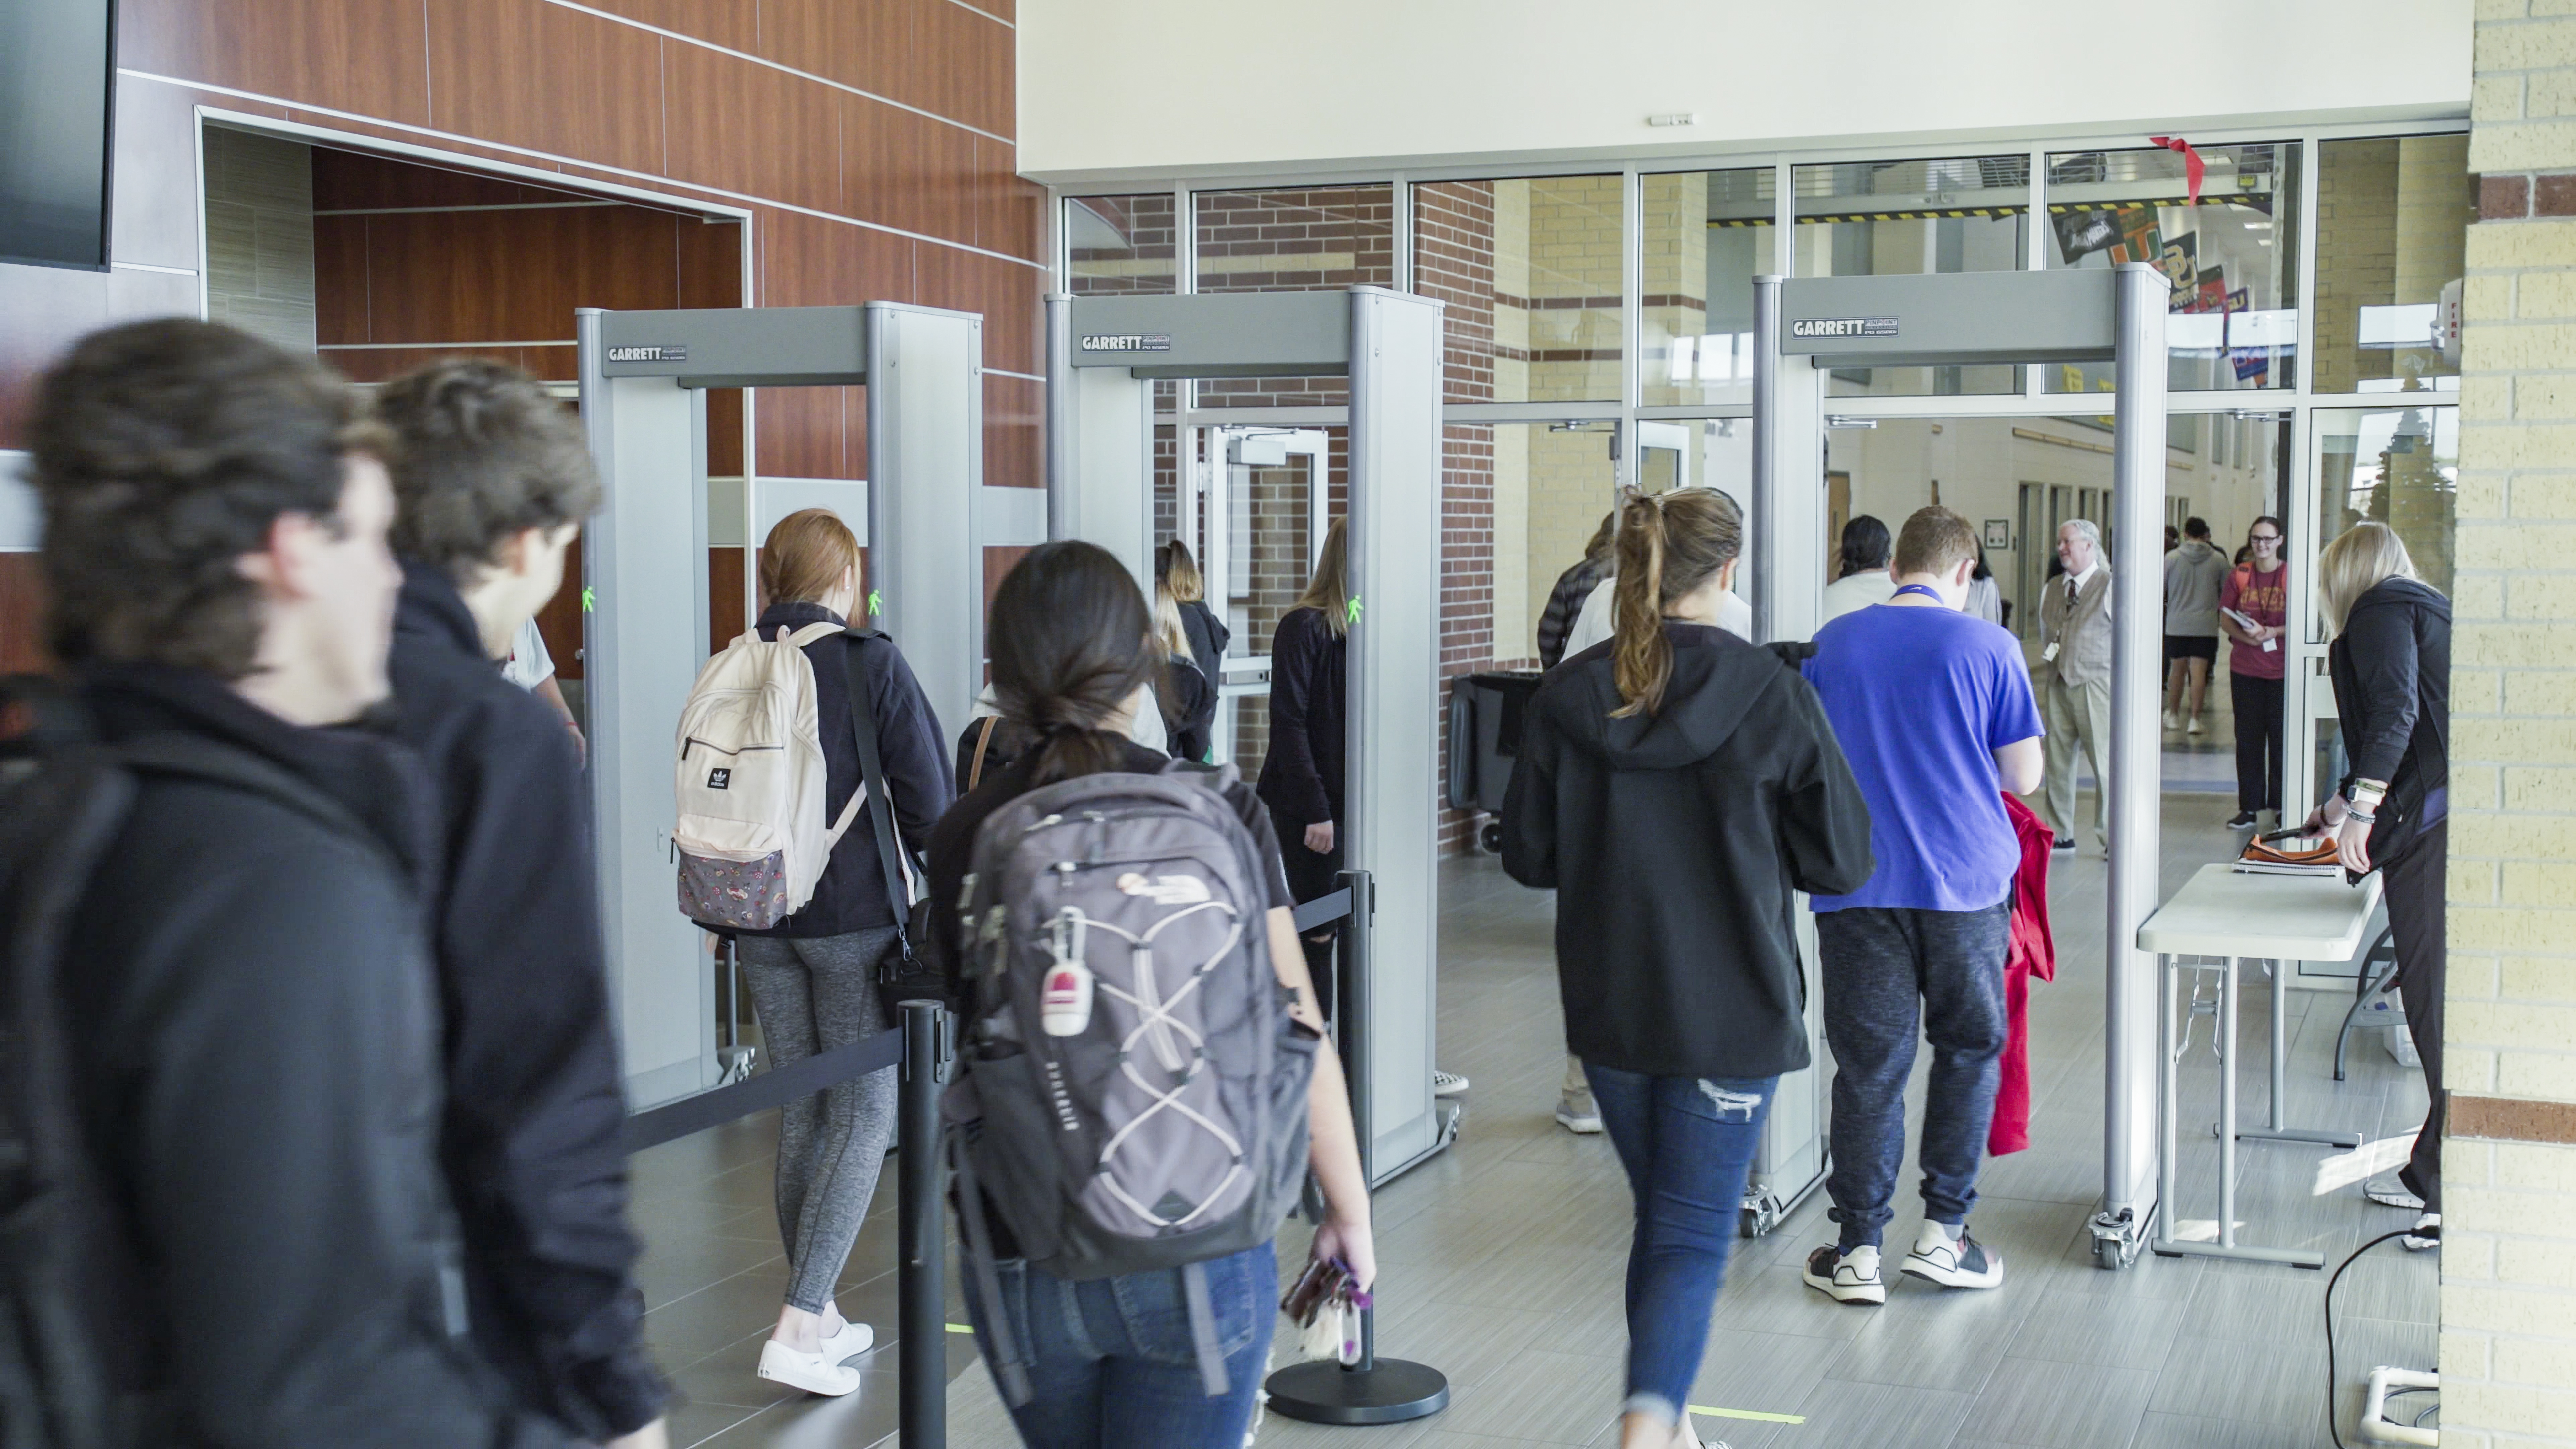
x=1391, y=1391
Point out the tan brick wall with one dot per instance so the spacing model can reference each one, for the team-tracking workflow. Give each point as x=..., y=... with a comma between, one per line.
x=2509, y=1257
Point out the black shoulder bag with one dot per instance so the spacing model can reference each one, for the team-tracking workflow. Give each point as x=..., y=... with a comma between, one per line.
x=903, y=975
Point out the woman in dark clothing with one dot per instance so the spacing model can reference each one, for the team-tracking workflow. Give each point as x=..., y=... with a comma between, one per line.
x=2391, y=665
x=813, y=975
x=1676, y=789
x=1175, y=570
x=1182, y=690
x=1565, y=601
x=1301, y=776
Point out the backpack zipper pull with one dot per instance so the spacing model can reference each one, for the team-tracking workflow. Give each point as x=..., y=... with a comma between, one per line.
x=1064, y=997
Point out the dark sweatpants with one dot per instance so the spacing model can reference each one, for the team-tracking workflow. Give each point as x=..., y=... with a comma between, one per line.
x=1877, y=962
x=2416, y=882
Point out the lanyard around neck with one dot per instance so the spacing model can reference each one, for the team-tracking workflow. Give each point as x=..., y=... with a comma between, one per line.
x=1926, y=590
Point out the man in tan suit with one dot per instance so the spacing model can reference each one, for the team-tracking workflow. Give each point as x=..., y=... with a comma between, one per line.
x=2074, y=678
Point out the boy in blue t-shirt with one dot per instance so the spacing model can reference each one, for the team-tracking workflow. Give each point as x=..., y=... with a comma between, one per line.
x=1935, y=712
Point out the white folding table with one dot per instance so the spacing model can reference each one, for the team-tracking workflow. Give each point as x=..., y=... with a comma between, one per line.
x=2238, y=916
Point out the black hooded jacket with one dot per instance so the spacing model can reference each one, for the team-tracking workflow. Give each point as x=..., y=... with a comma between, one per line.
x=535, y=1102
x=256, y=1029
x=2391, y=667
x=1674, y=843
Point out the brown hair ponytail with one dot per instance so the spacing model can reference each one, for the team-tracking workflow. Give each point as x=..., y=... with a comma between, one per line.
x=1669, y=545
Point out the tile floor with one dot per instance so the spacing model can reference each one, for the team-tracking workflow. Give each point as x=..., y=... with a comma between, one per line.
x=1503, y=1257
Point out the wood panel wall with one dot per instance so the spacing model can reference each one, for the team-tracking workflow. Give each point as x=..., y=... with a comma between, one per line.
x=869, y=140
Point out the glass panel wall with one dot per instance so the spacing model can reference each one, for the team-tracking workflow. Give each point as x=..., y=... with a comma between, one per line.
x=1530, y=270
x=2392, y=225
x=1120, y=244
x=1905, y=218
x=1551, y=486
x=1301, y=239
x=2232, y=259
x=2398, y=466
x=1708, y=234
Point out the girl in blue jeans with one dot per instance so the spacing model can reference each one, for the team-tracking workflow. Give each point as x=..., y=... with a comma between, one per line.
x=1676, y=786
x=1113, y=1363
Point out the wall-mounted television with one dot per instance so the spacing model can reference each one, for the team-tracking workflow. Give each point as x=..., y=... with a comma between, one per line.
x=57, y=103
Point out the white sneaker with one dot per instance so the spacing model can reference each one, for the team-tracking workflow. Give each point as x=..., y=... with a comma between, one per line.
x=1577, y=1112
x=2390, y=1190
x=2194, y=727
x=2172, y=721
x=1846, y=1277
x=1960, y=1262
x=813, y=1372
x=1447, y=1084
x=853, y=1339
x=2427, y=1233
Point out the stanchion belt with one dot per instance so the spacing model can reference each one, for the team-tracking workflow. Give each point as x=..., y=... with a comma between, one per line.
x=1324, y=910
x=781, y=1085
x=773, y=1088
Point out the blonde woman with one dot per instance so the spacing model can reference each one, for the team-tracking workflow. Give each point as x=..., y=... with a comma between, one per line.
x=1301, y=776
x=2391, y=665
x=1184, y=693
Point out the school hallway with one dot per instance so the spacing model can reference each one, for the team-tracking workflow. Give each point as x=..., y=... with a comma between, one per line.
x=1502, y=1258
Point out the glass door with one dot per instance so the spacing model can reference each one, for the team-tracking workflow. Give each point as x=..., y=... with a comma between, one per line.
x=2394, y=465
x=1254, y=505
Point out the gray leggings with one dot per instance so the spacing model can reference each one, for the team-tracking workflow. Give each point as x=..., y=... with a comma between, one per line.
x=813, y=995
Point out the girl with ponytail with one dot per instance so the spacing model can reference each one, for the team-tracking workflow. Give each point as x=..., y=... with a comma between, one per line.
x=1675, y=789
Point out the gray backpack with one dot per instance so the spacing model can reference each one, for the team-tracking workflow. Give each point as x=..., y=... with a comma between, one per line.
x=1132, y=1092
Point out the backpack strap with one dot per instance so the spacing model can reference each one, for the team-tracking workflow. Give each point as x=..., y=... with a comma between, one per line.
x=880, y=795
x=811, y=634
x=1009, y=1364
x=983, y=741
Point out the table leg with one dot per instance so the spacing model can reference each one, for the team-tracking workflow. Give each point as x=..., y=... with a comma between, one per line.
x=2277, y=1131
x=2227, y=1108
x=2168, y=1081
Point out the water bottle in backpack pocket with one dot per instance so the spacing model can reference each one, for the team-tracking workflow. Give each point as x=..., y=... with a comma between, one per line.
x=1132, y=1089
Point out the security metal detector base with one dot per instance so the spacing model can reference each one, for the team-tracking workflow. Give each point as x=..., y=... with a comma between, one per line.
x=1806, y=327
x=1766, y=1208
x=1382, y=1391
x=643, y=376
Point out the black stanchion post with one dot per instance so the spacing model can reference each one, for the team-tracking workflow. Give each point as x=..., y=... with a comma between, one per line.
x=1373, y=1390
x=922, y=1368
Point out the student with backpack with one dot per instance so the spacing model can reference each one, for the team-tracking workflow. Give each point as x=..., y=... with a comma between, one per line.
x=220, y=1103
x=1676, y=785
x=1184, y=693
x=1143, y=1077
x=492, y=483
x=809, y=777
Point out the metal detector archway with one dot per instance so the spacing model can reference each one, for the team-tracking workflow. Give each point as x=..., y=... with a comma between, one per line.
x=643, y=376
x=1803, y=327
x=1103, y=355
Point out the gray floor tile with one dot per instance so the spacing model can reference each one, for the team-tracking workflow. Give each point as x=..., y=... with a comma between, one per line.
x=1540, y=1396
x=2059, y=1405
x=2078, y=1328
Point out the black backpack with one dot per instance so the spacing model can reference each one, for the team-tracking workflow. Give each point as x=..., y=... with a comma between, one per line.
x=79, y=1360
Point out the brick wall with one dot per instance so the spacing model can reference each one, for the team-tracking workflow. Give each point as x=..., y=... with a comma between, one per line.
x=2508, y=1288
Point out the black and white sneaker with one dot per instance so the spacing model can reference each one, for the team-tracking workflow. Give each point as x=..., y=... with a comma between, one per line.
x=1851, y=1277
x=1960, y=1262
x=2241, y=820
x=2427, y=1233
x=2392, y=1191
x=2063, y=842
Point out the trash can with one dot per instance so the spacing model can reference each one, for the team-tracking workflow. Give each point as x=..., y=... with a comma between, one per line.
x=1485, y=712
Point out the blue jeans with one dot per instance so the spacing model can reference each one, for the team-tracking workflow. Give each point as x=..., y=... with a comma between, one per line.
x=1112, y=1363
x=1877, y=962
x=1687, y=1143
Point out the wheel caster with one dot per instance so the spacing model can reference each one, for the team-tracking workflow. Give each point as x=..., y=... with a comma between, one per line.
x=1491, y=837
x=2107, y=1255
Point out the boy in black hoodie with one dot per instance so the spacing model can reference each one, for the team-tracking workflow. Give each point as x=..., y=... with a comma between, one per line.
x=494, y=481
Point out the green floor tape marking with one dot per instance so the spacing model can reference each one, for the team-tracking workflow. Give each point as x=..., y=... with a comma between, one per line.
x=959, y=1328
x=1748, y=1414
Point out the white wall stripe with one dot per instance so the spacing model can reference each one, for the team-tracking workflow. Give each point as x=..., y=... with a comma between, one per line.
x=788, y=69
x=655, y=193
